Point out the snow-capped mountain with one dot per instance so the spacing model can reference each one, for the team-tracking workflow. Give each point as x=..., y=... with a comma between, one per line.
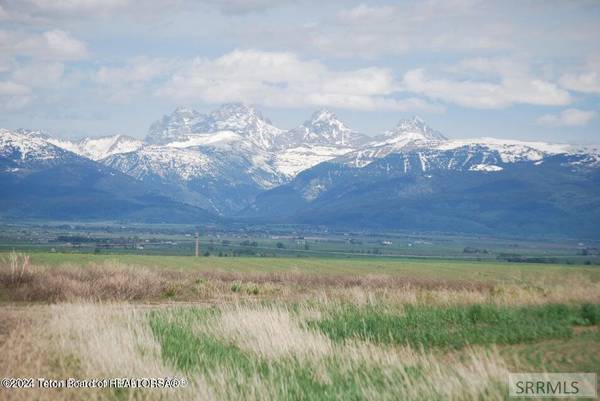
x=233, y=160
x=323, y=137
x=100, y=147
x=414, y=129
x=512, y=151
x=245, y=121
x=408, y=134
x=414, y=136
x=323, y=129
x=228, y=151
x=173, y=127
x=227, y=179
x=26, y=149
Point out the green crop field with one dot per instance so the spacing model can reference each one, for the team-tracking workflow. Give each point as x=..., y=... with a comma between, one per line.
x=293, y=328
x=425, y=267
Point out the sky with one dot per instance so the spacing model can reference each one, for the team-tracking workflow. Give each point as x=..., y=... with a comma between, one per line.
x=526, y=70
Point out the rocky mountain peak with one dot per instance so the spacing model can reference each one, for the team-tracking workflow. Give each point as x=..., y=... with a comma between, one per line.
x=323, y=128
x=415, y=127
x=172, y=127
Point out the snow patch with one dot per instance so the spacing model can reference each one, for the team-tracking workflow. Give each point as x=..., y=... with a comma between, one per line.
x=485, y=167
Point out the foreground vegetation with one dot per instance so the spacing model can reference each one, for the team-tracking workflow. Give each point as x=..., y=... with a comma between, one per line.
x=293, y=329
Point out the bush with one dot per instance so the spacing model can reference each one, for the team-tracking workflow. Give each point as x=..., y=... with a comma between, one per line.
x=236, y=287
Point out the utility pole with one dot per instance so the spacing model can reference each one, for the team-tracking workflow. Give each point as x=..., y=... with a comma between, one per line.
x=197, y=243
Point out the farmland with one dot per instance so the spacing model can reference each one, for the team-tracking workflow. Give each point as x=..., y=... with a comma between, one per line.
x=289, y=328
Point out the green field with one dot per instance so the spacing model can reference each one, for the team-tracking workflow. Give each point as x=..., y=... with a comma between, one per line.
x=283, y=241
x=438, y=268
x=293, y=328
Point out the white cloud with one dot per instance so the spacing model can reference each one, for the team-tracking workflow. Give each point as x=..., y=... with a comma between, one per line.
x=14, y=96
x=45, y=10
x=121, y=84
x=369, y=31
x=484, y=94
x=586, y=82
x=73, y=7
x=568, y=118
x=363, y=12
x=53, y=45
x=489, y=67
x=245, y=6
x=283, y=80
x=49, y=75
x=139, y=69
x=50, y=45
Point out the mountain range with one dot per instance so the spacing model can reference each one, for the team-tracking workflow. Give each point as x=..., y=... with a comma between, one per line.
x=233, y=163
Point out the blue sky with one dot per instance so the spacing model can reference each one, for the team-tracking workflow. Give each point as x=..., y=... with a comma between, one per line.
x=523, y=69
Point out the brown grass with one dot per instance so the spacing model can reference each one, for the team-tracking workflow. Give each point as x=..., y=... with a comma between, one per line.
x=347, y=281
x=113, y=281
x=84, y=341
x=105, y=340
x=106, y=282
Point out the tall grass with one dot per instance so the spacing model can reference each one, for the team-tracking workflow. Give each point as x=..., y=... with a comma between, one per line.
x=17, y=268
x=280, y=335
x=241, y=358
x=455, y=326
x=114, y=281
x=257, y=351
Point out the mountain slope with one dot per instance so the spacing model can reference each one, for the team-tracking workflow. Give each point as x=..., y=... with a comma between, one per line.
x=240, y=119
x=98, y=148
x=323, y=129
x=492, y=187
x=518, y=200
x=323, y=137
x=408, y=134
x=41, y=180
x=231, y=155
x=215, y=179
x=234, y=162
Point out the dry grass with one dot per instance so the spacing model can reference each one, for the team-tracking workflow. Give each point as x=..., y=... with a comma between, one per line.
x=85, y=341
x=110, y=281
x=114, y=340
x=96, y=327
x=113, y=281
x=278, y=336
x=271, y=332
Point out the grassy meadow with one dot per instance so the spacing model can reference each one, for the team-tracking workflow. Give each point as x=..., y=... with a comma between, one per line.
x=293, y=328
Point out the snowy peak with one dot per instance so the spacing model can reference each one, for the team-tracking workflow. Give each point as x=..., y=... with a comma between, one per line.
x=233, y=117
x=407, y=135
x=173, y=127
x=326, y=125
x=100, y=148
x=512, y=151
x=21, y=148
x=415, y=129
x=322, y=129
x=236, y=115
x=326, y=118
x=243, y=120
